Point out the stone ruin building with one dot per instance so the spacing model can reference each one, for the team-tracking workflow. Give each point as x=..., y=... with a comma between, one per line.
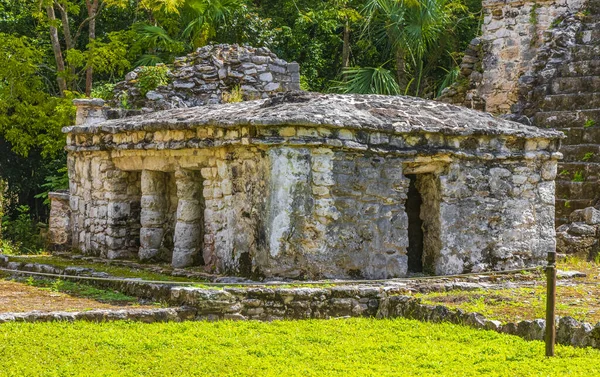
x=306, y=185
x=538, y=62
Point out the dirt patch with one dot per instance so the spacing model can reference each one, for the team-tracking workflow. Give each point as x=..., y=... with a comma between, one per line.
x=20, y=297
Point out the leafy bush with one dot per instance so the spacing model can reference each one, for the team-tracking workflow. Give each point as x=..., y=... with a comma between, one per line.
x=55, y=182
x=21, y=235
x=104, y=91
x=150, y=78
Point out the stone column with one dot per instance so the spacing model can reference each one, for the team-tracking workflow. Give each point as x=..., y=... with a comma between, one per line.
x=59, y=229
x=153, y=214
x=188, y=236
x=89, y=111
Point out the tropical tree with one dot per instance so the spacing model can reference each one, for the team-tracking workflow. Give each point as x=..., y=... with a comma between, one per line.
x=408, y=29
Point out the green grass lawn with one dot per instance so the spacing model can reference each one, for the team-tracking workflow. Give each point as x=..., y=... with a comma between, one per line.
x=354, y=347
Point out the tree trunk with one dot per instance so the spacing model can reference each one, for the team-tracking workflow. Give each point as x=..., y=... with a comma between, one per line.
x=64, y=16
x=92, y=8
x=400, y=65
x=60, y=63
x=346, y=46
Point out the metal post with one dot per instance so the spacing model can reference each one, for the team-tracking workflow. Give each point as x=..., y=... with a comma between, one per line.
x=550, y=303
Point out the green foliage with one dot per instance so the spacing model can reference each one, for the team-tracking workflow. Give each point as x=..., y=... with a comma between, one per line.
x=588, y=156
x=150, y=78
x=578, y=176
x=533, y=16
x=22, y=233
x=202, y=17
x=104, y=91
x=159, y=46
x=235, y=95
x=54, y=182
x=369, y=81
x=411, y=31
x=449, y=79
x=29, y=117
x=397, y=347
x=589, y=123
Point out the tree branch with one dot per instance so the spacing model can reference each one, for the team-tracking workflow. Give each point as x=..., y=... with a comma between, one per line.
x=65, y=23
x=90, y=18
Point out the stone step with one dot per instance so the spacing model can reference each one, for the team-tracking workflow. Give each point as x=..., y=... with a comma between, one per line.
x=564, y=207
x=580, y=135
x=588, y=170
x=577, y=190
x=586, y=52
x=581, y=153
x=580, y=84
x=568, y=119
x=580, y=68
x=572, y=101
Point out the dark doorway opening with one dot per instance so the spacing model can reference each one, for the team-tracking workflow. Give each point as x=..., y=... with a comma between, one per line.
x=415, y=226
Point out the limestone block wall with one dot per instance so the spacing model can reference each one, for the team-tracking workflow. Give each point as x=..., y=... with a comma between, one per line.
x=105, y=206
x=512, y=32
x=308, y=212
x=515, y=230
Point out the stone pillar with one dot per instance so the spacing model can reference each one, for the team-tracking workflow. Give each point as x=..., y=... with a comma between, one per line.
x=188, y=236
x=59, y=227
x=89, y=111
x=153, y=214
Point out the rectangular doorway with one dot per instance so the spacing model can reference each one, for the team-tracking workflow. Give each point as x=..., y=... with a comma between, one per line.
x=423, y=210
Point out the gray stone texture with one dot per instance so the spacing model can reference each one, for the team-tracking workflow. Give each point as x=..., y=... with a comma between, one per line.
x=59, y=226
x=580, y=236
x=210, y=74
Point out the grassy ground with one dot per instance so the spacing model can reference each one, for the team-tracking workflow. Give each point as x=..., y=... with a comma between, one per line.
x=58, y=296
x=124, y=272
x=580, y=300
x=354, y=347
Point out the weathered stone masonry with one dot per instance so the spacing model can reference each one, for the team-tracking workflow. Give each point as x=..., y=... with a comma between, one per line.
x=537, y=62
x=305, y=185
x=209, y=74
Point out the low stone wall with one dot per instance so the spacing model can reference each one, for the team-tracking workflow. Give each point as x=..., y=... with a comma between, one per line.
x=138, y=315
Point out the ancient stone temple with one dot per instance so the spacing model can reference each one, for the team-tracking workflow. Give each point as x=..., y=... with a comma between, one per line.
x=305, y=185
x=538, y=62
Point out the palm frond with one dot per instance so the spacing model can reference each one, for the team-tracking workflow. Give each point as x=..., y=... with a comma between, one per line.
x=368, y=80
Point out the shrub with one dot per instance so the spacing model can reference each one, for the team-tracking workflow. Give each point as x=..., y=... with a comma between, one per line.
x=104, y=91
x=150, y=78
x=21, y=235
x=235, y=95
